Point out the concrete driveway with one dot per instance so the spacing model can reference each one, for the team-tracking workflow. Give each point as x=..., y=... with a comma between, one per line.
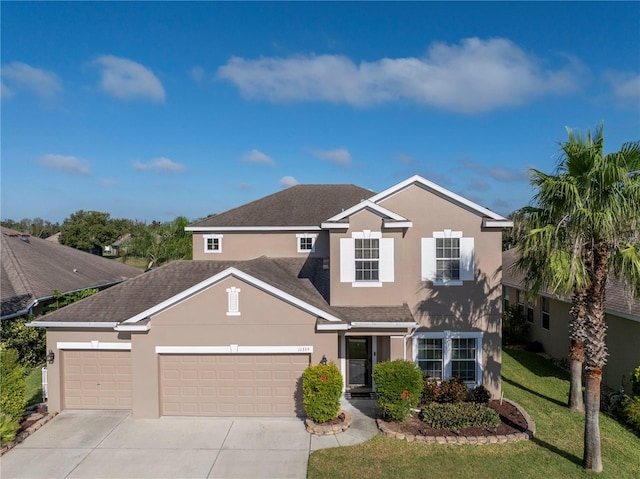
x=110, y=444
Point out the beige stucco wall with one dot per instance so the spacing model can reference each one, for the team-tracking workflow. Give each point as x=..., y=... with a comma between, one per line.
x=623, y=339
x=54, y=379
x=202, y=320
x=275, y=244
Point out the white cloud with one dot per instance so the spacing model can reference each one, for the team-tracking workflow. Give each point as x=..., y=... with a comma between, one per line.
x=65, y=164
x=43, y=83
x=472, y=76
x=498, y=173
x=287, y=181
x=256, y=156
x=5, y=91
x=197, y=73
x=340, y=156
x=126, y=79
x=406, y=159
x=625, y=86
x=159, y=165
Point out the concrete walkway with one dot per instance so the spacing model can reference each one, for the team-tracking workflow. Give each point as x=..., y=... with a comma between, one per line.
x=363, y=426
x=111, y=444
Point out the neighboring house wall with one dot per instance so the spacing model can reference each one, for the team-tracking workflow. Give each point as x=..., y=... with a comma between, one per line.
x=236, y=245
x=622, y=336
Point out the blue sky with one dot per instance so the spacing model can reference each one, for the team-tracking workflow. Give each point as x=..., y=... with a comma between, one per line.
x=153, y=110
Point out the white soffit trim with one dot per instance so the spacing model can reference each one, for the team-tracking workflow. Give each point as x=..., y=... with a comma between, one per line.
x=370, y=205
x=335, y=226
x=93, y=345
x=438, y=189
x=497, y=224
x=234, y=349
x=397, y=224
x=202, y=229
x=220, y=276
x=332, y=327
x=133, y=327
x=71, y=324
x=382, y=324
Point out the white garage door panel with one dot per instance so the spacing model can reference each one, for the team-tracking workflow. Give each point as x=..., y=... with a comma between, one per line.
x=230, y=385
x=97, y=379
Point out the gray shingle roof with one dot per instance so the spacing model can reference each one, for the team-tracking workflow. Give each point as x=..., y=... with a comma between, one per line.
x=139, y=294
x=300, y=205
x=32, y=268
x=617, y=297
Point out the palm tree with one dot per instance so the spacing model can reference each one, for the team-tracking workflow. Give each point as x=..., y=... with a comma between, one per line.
x=584, y=226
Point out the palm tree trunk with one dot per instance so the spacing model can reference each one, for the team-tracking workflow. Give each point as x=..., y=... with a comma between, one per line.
x=592, y=459
x=576, y=359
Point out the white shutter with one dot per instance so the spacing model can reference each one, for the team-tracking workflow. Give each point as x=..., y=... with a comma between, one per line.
x=347, y=260
x=386, y=260
x=467, y=272
x=428, y=259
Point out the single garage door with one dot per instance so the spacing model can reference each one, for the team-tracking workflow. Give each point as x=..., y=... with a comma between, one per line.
x=231, y=385
x=97, y=379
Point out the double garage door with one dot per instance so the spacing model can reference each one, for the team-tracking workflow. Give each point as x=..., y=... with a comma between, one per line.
x=231, y=384
x=190, y=384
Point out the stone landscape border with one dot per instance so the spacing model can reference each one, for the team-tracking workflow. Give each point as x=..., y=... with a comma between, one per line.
x=328, y=429
x=497, y=439
x=45, y=418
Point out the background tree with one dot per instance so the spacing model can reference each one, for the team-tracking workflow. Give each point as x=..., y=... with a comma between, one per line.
x=88, y=231
x=583, y=226
x=160, y=243
x=35, y=227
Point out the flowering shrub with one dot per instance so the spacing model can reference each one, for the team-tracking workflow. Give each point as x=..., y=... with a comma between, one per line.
x=399, y=387
x=321, y=391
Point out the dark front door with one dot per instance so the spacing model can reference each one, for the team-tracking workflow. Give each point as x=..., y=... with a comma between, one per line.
x=358, y=362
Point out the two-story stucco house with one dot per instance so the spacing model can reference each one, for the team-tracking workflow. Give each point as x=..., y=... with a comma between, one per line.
x=310, y=272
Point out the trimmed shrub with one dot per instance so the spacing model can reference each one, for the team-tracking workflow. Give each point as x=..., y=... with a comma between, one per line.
x=631, y=412
x=12, y=400
x=8, y=428
x=321, y=391
x=635, y=382
x=455, y=417
x=430, y=390
x=480, y=395
x=452, y=391
x=399, y=387
x=515, y=327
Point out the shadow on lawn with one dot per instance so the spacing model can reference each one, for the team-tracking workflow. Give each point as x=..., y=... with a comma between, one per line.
x=537, y=364
x=550, y=447
x=535, y=393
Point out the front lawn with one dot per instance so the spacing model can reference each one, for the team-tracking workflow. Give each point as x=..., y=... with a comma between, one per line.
x=555, y=451
x=33, y=386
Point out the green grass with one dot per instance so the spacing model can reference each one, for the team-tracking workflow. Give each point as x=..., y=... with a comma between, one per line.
x=555, y=451
x=33, y=386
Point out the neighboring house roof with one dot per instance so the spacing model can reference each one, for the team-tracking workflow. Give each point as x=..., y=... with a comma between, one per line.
x=133, y=301
x=32, y=268
x=618, y=300
x=54, y=238
x=300, y=205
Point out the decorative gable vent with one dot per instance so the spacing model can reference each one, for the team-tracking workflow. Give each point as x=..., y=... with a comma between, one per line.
x=233, y=295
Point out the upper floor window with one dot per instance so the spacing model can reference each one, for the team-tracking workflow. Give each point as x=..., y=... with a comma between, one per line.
x=306, y=242
x=213, y=243
x=447, y=258
x=366, y=259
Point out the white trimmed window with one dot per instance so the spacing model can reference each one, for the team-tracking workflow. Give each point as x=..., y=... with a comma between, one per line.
x=233, y=297
x=306, y=242
x=545, y=313
x=447, y=354
x=447, y=258
x=366, y=259
x=213, y=243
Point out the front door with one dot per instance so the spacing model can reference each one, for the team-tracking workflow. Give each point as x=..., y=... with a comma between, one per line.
x=358, y=362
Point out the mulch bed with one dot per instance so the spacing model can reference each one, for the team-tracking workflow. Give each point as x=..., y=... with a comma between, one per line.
x=511, y=422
